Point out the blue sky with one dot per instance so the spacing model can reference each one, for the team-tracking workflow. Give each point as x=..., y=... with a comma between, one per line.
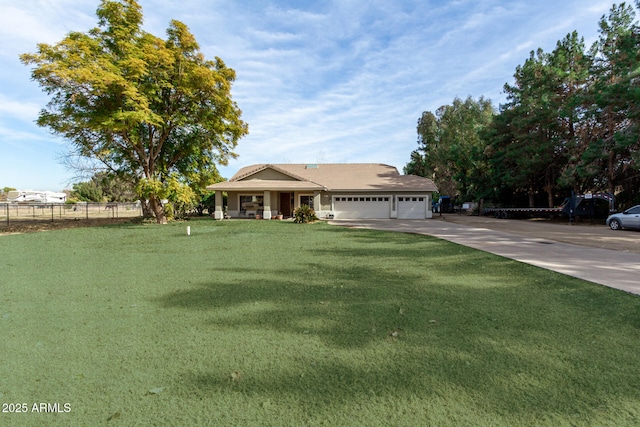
x=318, y=81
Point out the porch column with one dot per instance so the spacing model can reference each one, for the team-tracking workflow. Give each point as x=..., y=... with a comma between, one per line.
x=267, y=205
x=218, y=213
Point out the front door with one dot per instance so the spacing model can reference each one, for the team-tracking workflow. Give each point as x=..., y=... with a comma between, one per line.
x=285, y=204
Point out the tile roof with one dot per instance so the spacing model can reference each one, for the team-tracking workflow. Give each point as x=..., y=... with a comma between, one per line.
x=330, y=177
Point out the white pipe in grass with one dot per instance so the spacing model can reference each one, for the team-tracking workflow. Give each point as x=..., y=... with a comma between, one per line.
x=188, y=230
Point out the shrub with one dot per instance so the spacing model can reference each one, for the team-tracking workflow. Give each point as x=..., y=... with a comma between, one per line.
x=304, y=214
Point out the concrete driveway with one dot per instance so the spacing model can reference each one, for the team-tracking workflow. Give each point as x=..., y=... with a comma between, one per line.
x=615, y=269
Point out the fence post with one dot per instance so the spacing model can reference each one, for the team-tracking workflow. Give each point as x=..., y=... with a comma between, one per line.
x=86, y=209
x=51, y=212
x=7, y=214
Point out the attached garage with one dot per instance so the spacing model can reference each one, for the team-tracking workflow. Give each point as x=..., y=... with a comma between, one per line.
x=412, y=207
x=366, y=207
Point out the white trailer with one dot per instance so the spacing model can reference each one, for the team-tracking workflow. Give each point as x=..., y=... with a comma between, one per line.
x=33, y=196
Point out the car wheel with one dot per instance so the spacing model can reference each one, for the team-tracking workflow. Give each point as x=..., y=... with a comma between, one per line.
x=614, y=224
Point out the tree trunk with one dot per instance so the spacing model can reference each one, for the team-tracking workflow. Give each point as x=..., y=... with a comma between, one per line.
x=146, y=208
x=611, y=174
x=532, y=201
x=549, y=190
x=158, y=209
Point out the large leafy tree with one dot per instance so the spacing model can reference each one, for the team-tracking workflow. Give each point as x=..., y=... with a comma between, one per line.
x=422, y=162
x=450, y=146
x=461, y=142
x=153, y=110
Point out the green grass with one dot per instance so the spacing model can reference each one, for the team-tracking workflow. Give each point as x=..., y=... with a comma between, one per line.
x=274, y=323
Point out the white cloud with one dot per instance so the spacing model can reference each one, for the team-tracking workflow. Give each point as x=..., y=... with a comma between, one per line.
x=39, y=21
x=15, y=109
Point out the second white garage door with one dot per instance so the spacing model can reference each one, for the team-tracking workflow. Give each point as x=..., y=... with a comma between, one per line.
x=367, y=207
x=414, y=207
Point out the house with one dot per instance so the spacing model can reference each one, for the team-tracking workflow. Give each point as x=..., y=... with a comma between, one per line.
x=340, y=191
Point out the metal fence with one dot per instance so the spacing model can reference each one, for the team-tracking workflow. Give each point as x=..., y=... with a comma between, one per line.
x=20, y=212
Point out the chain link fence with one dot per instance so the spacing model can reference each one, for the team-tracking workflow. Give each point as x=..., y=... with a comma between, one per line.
x=11, y=213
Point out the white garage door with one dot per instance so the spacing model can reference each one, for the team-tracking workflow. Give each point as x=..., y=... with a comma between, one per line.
x=414, y=207
x=352, y=207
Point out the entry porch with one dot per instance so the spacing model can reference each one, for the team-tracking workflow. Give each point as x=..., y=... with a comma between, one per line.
x=265, y=204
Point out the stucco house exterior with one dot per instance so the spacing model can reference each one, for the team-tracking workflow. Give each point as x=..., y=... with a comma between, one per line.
x=340, y=191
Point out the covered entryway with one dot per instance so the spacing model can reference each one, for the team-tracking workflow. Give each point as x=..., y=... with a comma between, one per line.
x=412, y=207
x=351, y=207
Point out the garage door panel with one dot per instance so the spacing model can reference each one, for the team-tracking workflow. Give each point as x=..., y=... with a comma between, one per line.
x=413, y=207
x=362, y=207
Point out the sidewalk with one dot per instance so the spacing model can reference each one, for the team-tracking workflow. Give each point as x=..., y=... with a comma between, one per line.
x=615, y=269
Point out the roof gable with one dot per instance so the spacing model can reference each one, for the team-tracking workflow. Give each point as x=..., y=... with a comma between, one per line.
x=266, y=172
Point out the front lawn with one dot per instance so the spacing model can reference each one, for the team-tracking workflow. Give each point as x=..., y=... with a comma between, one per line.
x=275, y=323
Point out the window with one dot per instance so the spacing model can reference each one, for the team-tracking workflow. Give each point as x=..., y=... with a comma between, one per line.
x=361, y=199
x=307, y=200
x=634, y=211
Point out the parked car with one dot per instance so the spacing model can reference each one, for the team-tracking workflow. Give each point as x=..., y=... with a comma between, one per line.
x=627, y=219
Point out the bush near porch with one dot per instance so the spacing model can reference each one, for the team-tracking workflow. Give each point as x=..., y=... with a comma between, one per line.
x=304, y=214
x=271, y=323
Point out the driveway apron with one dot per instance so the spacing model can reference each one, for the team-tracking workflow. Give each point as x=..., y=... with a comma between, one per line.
x=615, y=269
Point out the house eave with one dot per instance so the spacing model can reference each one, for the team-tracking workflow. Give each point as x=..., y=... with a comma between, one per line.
x=266, y=185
